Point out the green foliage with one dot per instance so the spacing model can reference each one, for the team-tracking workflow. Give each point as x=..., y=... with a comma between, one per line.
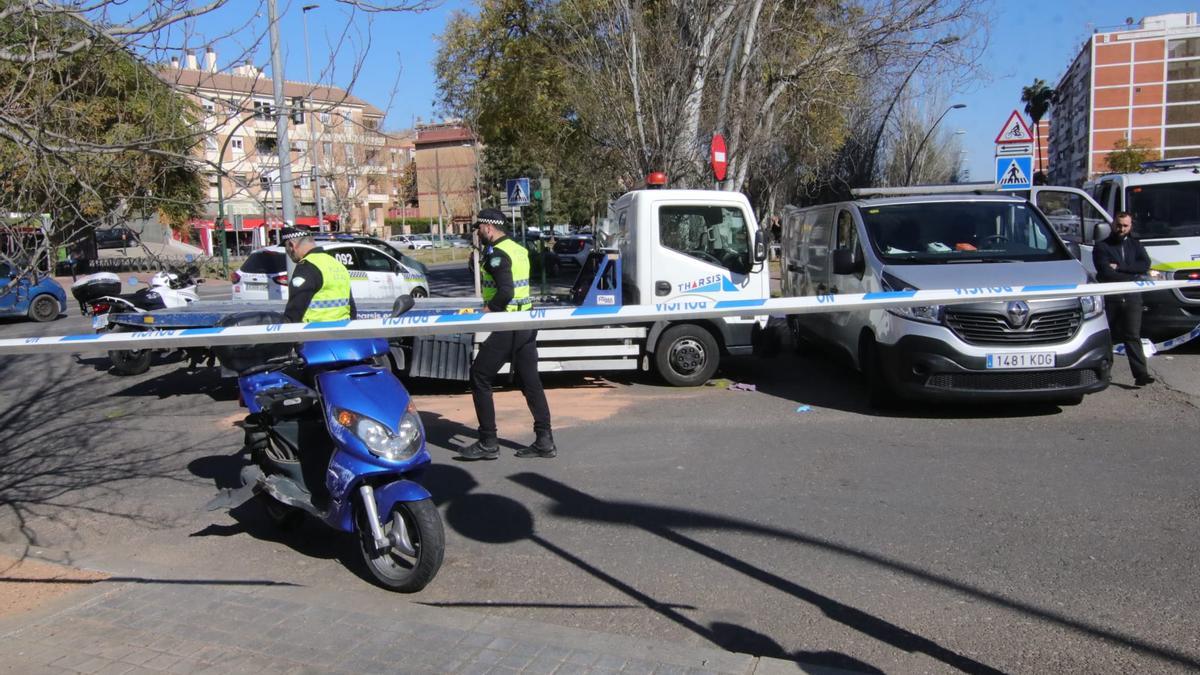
x=1127, y=157
x=89, y=133
x=415, y=225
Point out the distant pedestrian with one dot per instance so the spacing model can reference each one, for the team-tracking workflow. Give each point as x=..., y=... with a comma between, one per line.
x=1121, y=257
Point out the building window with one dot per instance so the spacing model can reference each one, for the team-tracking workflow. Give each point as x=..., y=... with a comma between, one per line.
x=1183, y=92
x=1179, y=49
x=350, y=153
x=209, y=107
x=239, y=180
x=1177, y=136
x=210, y=144
x=325, y=117
x=305, y=181
x=265, y=145
x=327, y=149
x=1183, y=70
x=371, y=125
x=352, y=182
x=300, y=146
x=214, y=179
x=237, y=144
x=262, y=110
x=264, y=183
x=1183, y=114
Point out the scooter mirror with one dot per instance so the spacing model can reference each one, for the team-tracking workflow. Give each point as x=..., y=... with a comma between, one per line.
x=402, y=305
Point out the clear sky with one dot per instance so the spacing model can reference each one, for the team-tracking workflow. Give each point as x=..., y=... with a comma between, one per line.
x=1028, y=40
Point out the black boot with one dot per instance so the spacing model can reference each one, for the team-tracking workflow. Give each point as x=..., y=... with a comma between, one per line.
x=479, y=450
x=543, y=446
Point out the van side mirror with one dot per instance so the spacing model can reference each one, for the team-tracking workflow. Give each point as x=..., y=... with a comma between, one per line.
x=760, y=246
x=843, y=262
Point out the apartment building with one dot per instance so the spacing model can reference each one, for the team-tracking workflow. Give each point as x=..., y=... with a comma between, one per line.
x=1042, y=132
x=448, y=157
x=330, y=130
x=402, y=154
x=1140, y=83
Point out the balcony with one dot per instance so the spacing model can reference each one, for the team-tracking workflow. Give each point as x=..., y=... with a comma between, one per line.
x=374, y=197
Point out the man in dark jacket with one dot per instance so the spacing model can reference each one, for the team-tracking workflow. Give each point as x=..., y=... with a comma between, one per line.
x=1120, y=257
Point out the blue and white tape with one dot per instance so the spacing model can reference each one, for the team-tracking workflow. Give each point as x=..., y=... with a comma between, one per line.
x=426, y=322
x=1168, y=344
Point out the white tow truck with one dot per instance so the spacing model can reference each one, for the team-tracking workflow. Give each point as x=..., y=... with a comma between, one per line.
x=664, y=249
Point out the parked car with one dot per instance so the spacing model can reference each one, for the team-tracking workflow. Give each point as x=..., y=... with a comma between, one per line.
x=1050, y=350
x=411, y=241
x=374, y=275
x=40, y=298
x=394, y=249
x=458, y=241
x=116, y=237
x=573, y=249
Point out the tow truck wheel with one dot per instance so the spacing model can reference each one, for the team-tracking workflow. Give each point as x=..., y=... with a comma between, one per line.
x=686, y=355
x=43, y=308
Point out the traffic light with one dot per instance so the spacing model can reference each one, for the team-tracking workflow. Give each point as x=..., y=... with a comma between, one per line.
x=541, y=192
x=297, y=110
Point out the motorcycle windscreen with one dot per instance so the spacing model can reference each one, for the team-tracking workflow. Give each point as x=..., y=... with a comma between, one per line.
x=327, y=353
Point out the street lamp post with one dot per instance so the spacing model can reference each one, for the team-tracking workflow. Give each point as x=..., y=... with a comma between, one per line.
x=220, y=194
x=913, y=162
x=944, y=42
x=314, y=174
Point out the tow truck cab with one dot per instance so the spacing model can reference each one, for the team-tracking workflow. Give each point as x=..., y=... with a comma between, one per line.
x=690, y=249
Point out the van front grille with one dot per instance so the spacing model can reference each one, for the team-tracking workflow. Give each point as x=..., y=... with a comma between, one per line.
x=990, y=328
x=1017, y=380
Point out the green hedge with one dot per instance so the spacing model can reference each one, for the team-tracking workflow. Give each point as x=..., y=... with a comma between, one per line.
x=416, y=225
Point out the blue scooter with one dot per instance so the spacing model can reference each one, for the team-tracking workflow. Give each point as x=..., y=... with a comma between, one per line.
x=333, y=433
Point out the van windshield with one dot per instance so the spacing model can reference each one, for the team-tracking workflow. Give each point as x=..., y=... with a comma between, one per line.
x=1165, y=209
x=960, y=231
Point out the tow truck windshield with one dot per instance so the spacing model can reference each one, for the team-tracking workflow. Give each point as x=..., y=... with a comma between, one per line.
x=924, y=233
x=1165, y=209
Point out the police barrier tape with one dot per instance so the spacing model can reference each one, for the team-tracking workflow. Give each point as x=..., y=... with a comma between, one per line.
x=1168, y=344
x=432, y=322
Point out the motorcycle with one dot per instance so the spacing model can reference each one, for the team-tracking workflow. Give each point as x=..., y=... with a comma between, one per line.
x=332, y=433
x=99, y=294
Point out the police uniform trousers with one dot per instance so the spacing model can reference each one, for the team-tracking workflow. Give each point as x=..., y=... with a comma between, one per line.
x=1125, y=321
x=520, y=348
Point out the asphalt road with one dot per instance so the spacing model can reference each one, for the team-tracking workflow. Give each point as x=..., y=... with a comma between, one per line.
x=984, y=539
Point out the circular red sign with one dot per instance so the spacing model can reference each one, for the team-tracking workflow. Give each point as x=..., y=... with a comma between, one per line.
x=717, y=157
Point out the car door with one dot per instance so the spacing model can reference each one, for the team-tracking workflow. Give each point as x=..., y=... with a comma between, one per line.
x=1074, y=215
x=360, y=283
x=8, y=289
x=380, y=270
x=844, y=326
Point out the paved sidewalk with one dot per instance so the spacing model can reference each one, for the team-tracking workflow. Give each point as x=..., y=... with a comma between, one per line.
x=141, y=626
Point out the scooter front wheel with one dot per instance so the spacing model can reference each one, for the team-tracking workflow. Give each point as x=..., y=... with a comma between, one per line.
x=394, y=569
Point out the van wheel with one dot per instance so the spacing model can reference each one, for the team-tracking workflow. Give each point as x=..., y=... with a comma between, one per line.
x=879, y=390
x=43, y=308
x=686, y=355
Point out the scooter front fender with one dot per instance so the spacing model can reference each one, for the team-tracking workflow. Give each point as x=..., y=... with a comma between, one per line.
x=386, y=498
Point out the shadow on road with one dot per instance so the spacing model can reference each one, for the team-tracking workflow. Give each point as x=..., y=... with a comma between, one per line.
x=670, y=523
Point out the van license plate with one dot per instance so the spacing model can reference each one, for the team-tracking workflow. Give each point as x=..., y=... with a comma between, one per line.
x=100, y=321
x=1021, y=360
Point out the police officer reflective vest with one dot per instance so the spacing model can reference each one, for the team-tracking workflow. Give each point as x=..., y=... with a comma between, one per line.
x=332, y=301
x=520, y=276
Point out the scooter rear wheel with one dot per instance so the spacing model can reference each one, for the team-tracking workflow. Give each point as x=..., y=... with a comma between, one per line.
x=395, y=570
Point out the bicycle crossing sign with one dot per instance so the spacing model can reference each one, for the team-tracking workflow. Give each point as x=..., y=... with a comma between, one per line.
x=1014, y=173
x=517, y=190
x=1015, y=130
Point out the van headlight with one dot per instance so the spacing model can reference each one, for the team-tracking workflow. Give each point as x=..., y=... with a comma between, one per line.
x=379, y=439
x=922, y=313
x=1093, y=305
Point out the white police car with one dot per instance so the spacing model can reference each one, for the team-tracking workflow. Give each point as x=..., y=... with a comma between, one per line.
x=373, y=274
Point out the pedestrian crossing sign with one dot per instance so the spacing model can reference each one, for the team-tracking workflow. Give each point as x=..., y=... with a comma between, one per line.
x=1014, y=173
x=517, y=190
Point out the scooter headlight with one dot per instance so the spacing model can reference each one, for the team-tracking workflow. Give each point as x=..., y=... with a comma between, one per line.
x=1093, y=305
x=379, y=439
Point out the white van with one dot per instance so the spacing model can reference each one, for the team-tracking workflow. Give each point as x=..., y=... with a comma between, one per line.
x=1054, y=350
x=1164, y=200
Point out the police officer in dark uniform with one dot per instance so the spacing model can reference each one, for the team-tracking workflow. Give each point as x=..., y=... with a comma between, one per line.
x=1121, y=257
x=504, y=269
x=319, y=289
